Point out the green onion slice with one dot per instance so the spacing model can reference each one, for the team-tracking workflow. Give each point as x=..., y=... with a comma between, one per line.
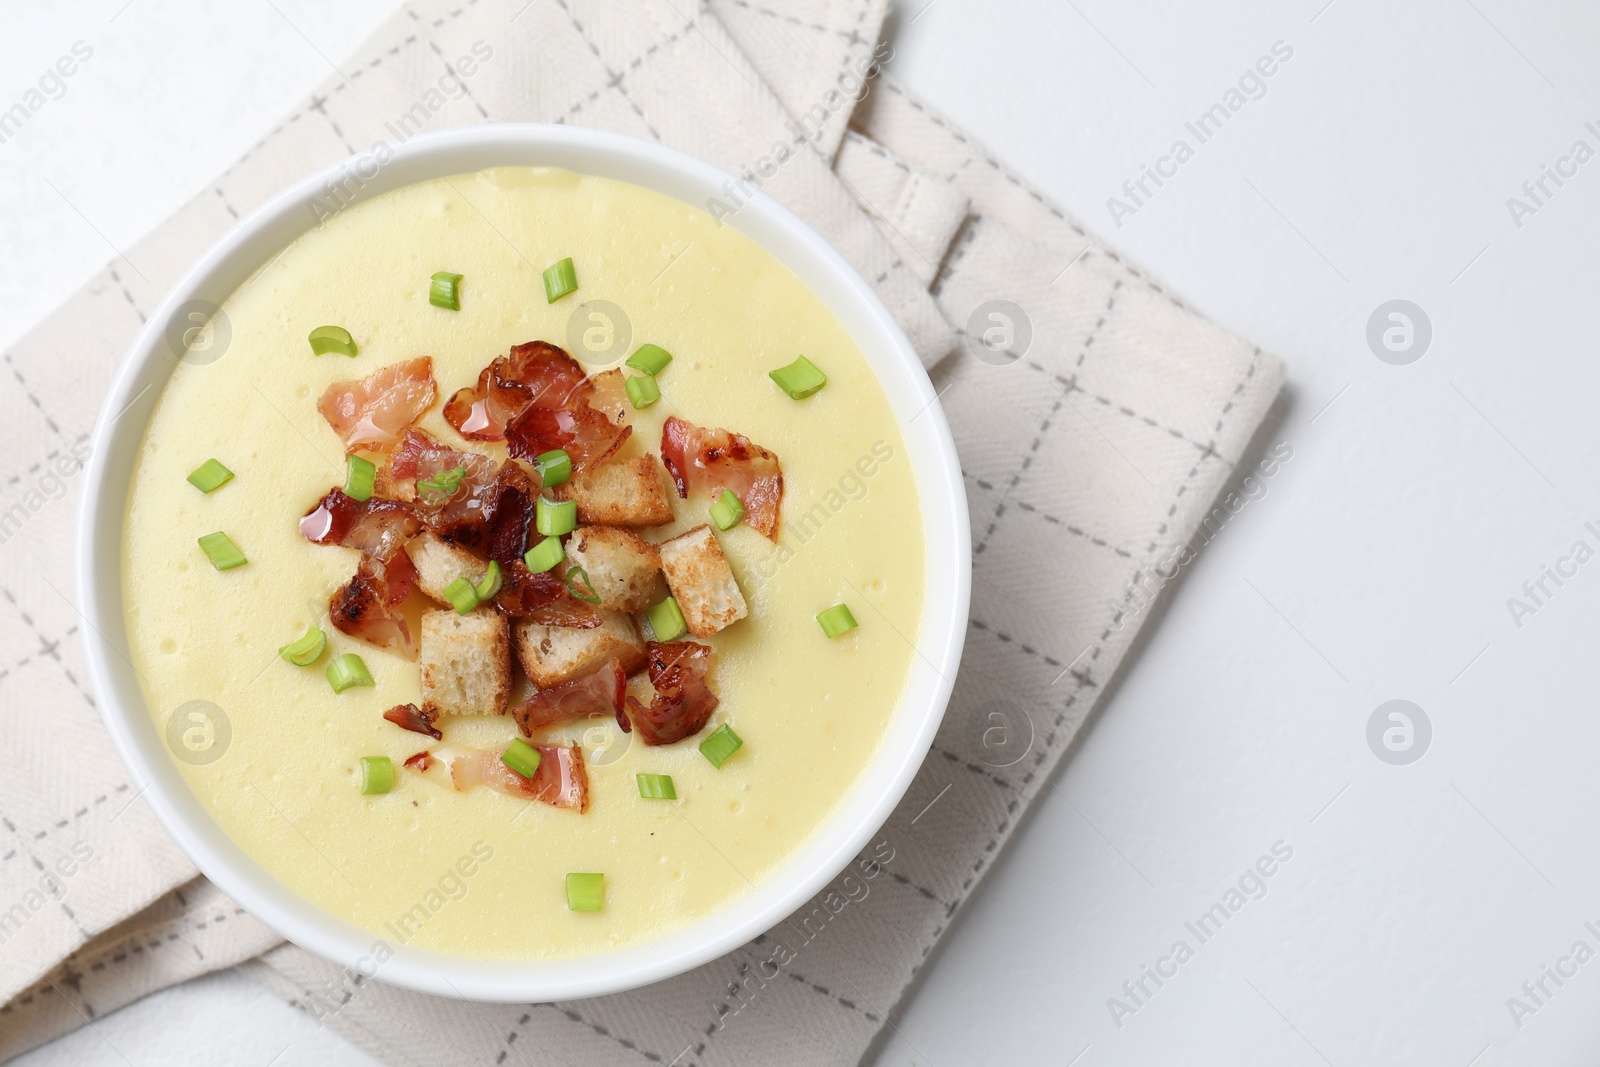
x=836, y=620
x=666, y=620
x=222, y=552
x=521, y=757
x=490, y=585
x=650, y=359
x=442, y=486
x=587, y=593
x=727, y=511
x=643, y=390
x=461, y=594
x=722, y=743
x=555, y=517
x=445, y=291
x=544, y=555
x=553, y=467
x=377, y=775
x=656, y=786
x=359, y=477
x=210, y=476
x=325, y=339
x=586, y=892
x=799, y=379
x=307, y=650
x=347, y=670
x=559, y=280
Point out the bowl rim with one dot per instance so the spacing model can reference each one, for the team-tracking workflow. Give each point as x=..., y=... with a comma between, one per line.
x=830, y=848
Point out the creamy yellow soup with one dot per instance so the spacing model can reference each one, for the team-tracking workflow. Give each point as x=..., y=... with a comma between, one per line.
x=478, y=873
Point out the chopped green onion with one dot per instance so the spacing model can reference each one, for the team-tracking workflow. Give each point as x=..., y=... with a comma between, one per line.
x=210, y=476
x=722, y=743
x=325, y=339
x=666, y=620
x=490, y=585
x=521, y=757
x=359, y=477
x=799, y=379
x=555, y=517
x=347, y=670
x=559, y=280
x=586, y=892
x=656, y=786
x=445, y=292
x=544, y=555
x=587, y=593
x=836, y=620
x=377, y=775
x=306, y=651
x=442, y=486
x=643, y=390
x=222, y=552
x=553, y=467
x=461, y=594
x=651, y=359
x=727, y=511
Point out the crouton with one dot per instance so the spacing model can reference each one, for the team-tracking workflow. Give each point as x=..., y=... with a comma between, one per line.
x=701, y=581
x=466, y=662
x=551, y=655
x=621, y=565
x=439, y=563
x=624, y=492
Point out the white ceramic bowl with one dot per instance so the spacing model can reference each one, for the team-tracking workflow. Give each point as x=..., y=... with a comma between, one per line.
x=258, y=239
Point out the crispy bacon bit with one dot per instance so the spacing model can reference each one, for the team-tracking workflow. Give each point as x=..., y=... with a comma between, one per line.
x=586, y=434
x=560, y=780
x=542, y=598
x=683, y=702
x=536, y=374
x=492, y=520
x=715, y=460
x=410, y=717
x=377, y=527
x=600, y=692
x=611, y=396
x=367, y=606
x=420, y=456
x=373, y=412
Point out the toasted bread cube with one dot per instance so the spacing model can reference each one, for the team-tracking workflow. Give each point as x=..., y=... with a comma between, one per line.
x=621, y=565
x=701, y=581
x=551, y=655
x=466, y=662
x=624, y=492
x=439, y=563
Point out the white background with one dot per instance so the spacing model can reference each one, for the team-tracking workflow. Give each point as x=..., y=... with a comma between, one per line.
x=1377, y=566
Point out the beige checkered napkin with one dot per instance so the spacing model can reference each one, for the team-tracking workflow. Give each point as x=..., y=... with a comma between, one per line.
x=1088, y=459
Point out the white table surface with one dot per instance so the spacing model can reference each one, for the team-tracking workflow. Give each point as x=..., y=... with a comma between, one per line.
x=1377, y=565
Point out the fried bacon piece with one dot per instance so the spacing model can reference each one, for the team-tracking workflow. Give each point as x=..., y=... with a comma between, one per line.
x=536, y=374
x=410, y=717
x=373, y=412
x=378, y=528
x=492, y=520
x=420, y=457
x=715, y=460
x=683, y=702
x=560, y=780
x=367, y=606
x=600, y=692
x=542, y=598
x=585, y=433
